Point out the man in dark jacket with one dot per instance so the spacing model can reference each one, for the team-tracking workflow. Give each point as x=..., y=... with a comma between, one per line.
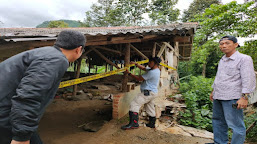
x=29, y=81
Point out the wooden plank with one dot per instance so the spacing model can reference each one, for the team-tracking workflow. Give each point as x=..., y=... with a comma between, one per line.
x=106, y=59
x=112, y=42
x=182, y=39
x=108, y=49
x=161, y=50
x=140, y=53
x=168, y=45
x=127, y=61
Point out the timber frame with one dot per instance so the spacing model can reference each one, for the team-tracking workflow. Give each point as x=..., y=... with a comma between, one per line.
x=108, y=43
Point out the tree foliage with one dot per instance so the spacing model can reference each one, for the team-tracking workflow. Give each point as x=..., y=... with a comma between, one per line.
x=104, y=13
x=57, y=24
x=197, y=7
x=219, y=20
x=163, y=12
x=131, y=12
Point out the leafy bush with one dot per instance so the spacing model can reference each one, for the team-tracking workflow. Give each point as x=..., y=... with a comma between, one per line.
x=199, y=107
x=183, y=69
x=249, y=119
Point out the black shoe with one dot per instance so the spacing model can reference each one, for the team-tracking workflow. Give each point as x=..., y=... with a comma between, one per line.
x=133, y=121
x=151, y=123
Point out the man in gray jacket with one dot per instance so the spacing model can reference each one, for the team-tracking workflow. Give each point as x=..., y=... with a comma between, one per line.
x=28, y=83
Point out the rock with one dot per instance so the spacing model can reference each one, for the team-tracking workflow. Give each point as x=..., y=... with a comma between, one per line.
x=94, y=126
x=108, y=97
x=90, y=96
x=85, y=90
x=79, y=92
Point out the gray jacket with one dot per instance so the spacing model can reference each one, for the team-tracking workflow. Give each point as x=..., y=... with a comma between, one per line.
x=28, y=82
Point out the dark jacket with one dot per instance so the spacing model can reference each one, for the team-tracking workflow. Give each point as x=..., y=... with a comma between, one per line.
x=28, y=82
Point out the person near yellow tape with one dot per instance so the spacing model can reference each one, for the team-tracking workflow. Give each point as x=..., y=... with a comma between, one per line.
x=149, y=90
x=29, y=82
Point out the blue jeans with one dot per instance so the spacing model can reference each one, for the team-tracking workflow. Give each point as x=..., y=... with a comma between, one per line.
x=224, y=117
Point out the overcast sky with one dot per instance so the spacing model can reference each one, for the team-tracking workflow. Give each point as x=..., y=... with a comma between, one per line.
x=30, y=13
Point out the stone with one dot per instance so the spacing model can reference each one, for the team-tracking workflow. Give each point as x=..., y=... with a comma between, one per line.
x=94, y=126
x=108, y=97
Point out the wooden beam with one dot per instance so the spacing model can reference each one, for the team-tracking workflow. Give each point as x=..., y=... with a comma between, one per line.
x=161, y=50
x=108, y=49
x=168, y=45
x=127, y=61
x=182, y=39
x=112, y=42
x=85, y=53
x=139, y=52
x=75, y=87
x=106, y=59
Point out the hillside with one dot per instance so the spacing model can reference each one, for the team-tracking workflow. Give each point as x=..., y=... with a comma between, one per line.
x=71, y=23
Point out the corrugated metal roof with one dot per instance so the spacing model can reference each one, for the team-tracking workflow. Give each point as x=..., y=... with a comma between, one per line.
x=52, y=32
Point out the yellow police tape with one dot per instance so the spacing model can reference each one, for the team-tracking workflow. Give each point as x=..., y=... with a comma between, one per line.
x=98, y=76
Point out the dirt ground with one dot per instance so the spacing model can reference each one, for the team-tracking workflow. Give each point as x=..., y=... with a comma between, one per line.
x=59, y=125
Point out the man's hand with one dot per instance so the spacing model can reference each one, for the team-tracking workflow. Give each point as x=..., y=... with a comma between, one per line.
x=20, y=142
x=242, y=103
x=211, y=96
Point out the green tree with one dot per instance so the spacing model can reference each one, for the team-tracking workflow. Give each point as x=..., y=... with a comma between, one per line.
x=103, y=14
x=197, y=7
x=163, y=12
x=133, y=11
x=219, y=20
x=57, y=24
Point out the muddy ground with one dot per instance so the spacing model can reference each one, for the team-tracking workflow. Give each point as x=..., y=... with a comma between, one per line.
x=59, y=125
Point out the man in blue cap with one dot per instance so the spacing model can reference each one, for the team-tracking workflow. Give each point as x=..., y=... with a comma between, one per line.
x=28, y=83
x=234, y=81
x=149, y=90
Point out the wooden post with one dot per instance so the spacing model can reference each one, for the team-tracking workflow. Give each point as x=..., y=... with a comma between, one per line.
x=106, y=67
x=154, y=50
x=89, y=65
x=75, y=87
x=161, y=50
x=127, y=61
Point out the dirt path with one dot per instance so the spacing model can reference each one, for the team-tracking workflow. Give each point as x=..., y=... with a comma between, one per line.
x=60, y=124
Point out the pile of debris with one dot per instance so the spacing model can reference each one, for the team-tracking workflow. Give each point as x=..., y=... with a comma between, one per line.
x=167, y=112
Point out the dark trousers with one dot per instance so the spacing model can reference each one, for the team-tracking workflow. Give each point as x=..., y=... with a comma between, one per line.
x=6, y=137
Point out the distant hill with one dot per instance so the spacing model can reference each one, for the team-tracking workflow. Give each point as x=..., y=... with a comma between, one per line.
x=72, y=23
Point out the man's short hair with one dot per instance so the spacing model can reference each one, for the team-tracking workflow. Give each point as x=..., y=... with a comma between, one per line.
x=70, y=39
x=156, y=60
x=232, y=38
